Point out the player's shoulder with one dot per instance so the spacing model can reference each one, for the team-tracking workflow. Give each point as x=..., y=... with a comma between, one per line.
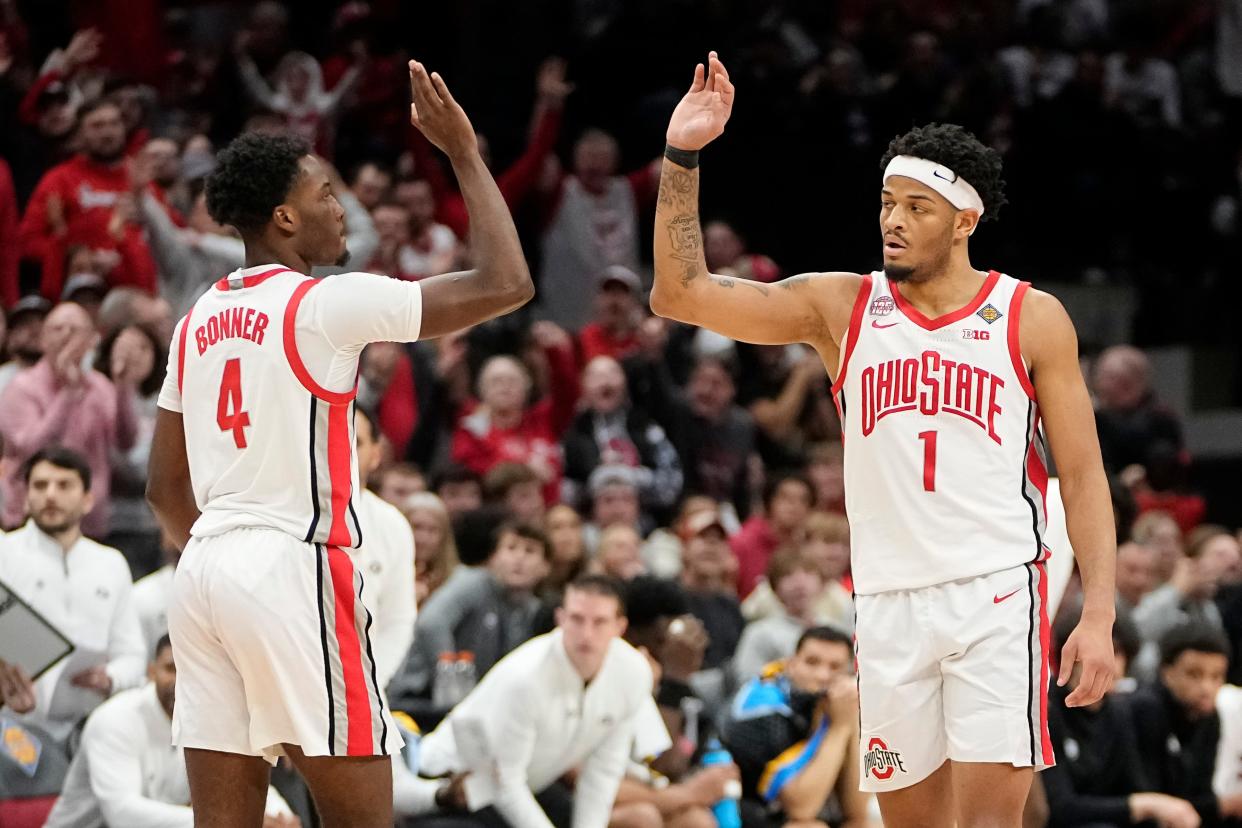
x=1044, y=312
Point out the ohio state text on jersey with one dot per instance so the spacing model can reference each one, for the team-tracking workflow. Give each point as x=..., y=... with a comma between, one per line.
x=945, y=462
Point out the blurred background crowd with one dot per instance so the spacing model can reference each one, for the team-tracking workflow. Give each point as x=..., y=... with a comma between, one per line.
x=583, y=434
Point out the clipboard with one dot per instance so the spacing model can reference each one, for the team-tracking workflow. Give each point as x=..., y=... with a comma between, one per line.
x=27, y=638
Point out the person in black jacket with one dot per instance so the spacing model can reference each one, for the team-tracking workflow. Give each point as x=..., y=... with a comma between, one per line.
x=1099, y=779
x=1176, y=725
x=611, y=431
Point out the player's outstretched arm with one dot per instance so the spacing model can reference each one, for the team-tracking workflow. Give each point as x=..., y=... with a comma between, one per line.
x=1050, y=346
x=500, y=281
x=812, y=308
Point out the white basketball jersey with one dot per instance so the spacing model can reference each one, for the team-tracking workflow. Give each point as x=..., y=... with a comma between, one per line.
x=268, y=444
x=945, y=469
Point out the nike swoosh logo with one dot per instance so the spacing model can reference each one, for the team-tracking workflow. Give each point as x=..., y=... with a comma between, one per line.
x=876, y=324
x=996, y=599
x=952, y=180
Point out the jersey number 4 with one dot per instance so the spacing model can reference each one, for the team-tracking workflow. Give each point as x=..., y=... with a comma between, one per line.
x=229, y=414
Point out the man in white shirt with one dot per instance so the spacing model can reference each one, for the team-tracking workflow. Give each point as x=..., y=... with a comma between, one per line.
x=127, y=771
x=385, y=558
x=153, y=592
x=81, y=587
x=563, y=702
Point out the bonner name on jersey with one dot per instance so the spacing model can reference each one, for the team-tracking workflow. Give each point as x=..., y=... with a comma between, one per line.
x=231, y=323
x=930, y=384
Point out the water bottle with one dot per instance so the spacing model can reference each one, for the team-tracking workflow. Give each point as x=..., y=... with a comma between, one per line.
x=465, y=674
x=442, y=691
x=725, y=810
x=691, y=713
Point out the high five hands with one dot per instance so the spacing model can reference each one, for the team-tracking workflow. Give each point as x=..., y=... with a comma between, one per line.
x=701, y=115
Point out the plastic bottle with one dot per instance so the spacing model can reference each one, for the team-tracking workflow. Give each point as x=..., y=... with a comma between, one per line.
x=442, y=691
x=466, y=675
x=725, y=810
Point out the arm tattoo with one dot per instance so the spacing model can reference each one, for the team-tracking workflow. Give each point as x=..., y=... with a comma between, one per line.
x=726, y=282
x=796, y=281
x=679, y=194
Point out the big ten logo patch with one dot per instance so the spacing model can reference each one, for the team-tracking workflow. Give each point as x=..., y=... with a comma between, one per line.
x=972, y=334
x=879, y=761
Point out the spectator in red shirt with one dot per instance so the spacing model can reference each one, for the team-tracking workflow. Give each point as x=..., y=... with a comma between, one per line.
x=726, y=253
x=618, y=313
x=787, y=504
x=505, y=427
x=83, y=201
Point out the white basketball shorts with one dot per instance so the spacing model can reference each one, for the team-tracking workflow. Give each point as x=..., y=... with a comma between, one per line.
x=953, y=671
x=270, y=638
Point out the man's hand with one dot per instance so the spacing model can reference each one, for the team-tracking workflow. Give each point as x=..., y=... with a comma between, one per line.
x=67, y=365
x=438, y=116
x=82, y=49
x=701, y=116
x=841, y=703
x=683, y=648
x=17, y=691
x=452, y=797
x=96, y=678
x=550, y=336
x=707, y=787
x=1168, y=811
x=1091, y=644
x=550, y=85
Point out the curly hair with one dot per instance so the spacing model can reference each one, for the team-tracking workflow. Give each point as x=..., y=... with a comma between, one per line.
x=253, y=175
x=952, y=146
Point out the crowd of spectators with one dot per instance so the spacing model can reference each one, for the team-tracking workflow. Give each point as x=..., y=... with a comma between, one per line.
x=584, y=435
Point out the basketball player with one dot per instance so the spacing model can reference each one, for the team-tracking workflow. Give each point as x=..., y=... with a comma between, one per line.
x=943, y=375
x=253, y=470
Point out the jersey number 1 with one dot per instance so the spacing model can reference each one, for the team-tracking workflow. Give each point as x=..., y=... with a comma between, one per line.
x=235, y=420
x=929, y=460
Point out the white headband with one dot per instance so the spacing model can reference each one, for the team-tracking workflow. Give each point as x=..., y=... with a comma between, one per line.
x=956, y=190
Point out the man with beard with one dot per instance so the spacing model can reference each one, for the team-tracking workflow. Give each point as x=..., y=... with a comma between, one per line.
x=24, y=343
x=124, y=774
x=85, y=201
x=946, y=378
x=793, y=733
x=81, y=587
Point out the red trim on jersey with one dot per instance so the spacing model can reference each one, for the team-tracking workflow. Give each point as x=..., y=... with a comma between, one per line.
x=1015, y=343
x=359, y=740
x=1036, y=471
x=252, y=281
x=917, y=317
x=339, y=474
x=185, y=329
x=1045, y=647
x=851, y=335
x=295, y=359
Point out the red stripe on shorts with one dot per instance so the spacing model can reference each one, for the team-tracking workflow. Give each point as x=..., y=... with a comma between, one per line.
x=359, y=740
x=1045, y=647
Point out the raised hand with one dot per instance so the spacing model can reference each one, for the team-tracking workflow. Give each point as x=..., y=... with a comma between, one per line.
x=438, y=116
x=701, y=115
x=550, y=83
x=17, y=691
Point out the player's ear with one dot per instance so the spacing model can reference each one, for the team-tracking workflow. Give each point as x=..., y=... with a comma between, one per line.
x=964, y=223
x=286, y=218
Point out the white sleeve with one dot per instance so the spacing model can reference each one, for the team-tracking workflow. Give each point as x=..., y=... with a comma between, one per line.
x=170, y=394
x=513, y=748
x=395, y=612
x=112, y=744
x=127, y=647
x=601, y=776
x=352, y=310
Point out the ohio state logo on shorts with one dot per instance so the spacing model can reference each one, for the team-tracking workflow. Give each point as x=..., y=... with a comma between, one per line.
x=879, y=761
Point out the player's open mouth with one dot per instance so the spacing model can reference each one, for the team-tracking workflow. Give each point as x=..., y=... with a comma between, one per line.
x=893, y=247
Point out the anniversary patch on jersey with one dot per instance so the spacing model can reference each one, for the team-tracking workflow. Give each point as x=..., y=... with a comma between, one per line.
x=988, y=313
x=882, y=306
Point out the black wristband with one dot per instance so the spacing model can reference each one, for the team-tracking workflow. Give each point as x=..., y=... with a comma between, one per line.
x=683, y=158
